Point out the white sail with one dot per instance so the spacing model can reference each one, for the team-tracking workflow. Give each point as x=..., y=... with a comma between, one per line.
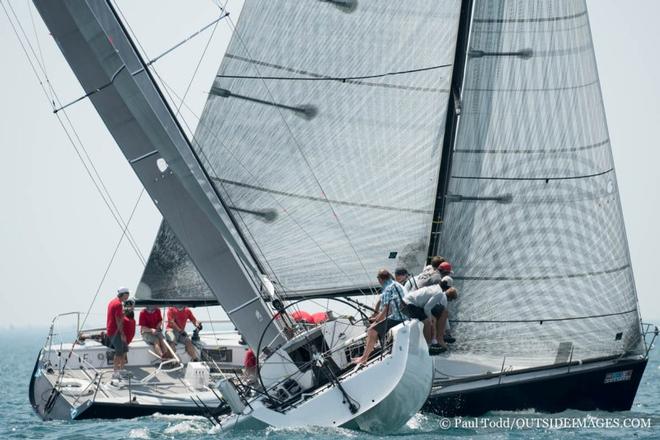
x=332, y=118
x=532, y=217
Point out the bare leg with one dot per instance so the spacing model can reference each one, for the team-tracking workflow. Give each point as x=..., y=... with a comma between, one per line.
x=440, y=328
x=428, y=330
x=372, y=337
x=158, y=350
x=164, y=352
x=191, y=350
x=117, y=362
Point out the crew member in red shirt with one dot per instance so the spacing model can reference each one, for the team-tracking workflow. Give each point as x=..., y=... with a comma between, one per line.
x=176, y=329
x=115, y=330
x=151, y=329
x=129, y=327
x=250, y=367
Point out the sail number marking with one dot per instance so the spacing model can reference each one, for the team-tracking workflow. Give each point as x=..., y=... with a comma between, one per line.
x=618, y=376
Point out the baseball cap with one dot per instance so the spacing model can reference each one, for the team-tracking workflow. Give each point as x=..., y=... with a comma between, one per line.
x=399, y=271
x=447, y=281
x=444, y=267
x=122, y=290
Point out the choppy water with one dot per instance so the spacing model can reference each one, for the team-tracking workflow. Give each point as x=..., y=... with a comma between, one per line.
x=19, y=349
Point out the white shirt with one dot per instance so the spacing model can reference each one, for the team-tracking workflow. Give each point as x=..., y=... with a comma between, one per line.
x=426, y=298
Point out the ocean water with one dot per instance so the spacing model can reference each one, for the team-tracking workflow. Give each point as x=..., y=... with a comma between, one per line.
x=17, y=420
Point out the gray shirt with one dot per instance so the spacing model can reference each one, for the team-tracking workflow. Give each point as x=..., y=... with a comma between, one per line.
x=431, y=280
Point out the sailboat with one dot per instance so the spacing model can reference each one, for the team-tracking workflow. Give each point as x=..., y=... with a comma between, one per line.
x=529, y=212
x=253, y=206
x=343, y=136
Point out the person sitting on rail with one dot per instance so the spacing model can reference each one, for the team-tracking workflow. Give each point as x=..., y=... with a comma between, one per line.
x=176, y=329
x=151, y=329
x=438, y=342
x=386, y=316
x=425, y=304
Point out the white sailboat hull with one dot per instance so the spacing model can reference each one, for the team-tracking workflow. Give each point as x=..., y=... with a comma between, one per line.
x=387, y=393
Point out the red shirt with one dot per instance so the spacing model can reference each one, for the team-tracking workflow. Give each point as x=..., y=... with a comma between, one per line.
x=179, y=316
x=250, y=360
x=319, y=318
x=302, y=316
x=115, y=310
x=150, y=319
x=129, y=329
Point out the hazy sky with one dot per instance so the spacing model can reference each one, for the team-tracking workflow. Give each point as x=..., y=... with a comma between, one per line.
x=57, y=235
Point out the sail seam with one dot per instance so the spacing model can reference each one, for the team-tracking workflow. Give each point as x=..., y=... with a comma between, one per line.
x=532, y=151
x=586, y=176
x=544, y=277
x=549, y=89
x=322, y=199
x=530, y=20
x=541, y=320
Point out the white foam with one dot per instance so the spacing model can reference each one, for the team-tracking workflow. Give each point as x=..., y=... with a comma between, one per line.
x=188, y=427
x=142, y=433
x=177, y=417
x=417, y=422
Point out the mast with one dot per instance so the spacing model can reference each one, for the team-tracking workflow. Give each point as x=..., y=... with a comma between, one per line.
x=231, y=216
x=119, y=85
x=451, y=124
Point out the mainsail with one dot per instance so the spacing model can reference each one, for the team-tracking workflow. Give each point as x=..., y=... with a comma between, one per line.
x=532, y=217
x=323, y=131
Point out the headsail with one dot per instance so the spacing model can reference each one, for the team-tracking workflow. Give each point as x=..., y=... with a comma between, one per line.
x=532, y=216
x=323, y=132
x=170, y=276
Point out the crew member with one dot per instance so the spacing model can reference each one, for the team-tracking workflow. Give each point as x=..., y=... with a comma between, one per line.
x=176, y=329
x=115, y=330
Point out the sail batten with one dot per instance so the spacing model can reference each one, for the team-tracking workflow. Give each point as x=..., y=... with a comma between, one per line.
x=533, y=128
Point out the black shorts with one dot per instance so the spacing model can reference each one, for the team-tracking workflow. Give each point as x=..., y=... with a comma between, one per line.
x=120, y=346
x=414, y=312
x=383, y=326
x=437, y=310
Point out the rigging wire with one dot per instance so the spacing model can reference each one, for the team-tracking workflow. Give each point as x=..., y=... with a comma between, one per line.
x=320, y=77
x=112, y=258
x=54, y=100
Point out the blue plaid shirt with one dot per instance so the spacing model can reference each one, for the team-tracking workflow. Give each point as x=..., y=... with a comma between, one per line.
x=391, y=295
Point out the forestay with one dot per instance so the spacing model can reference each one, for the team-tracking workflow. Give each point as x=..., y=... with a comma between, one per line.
x=533, y=222
x=323, y=131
